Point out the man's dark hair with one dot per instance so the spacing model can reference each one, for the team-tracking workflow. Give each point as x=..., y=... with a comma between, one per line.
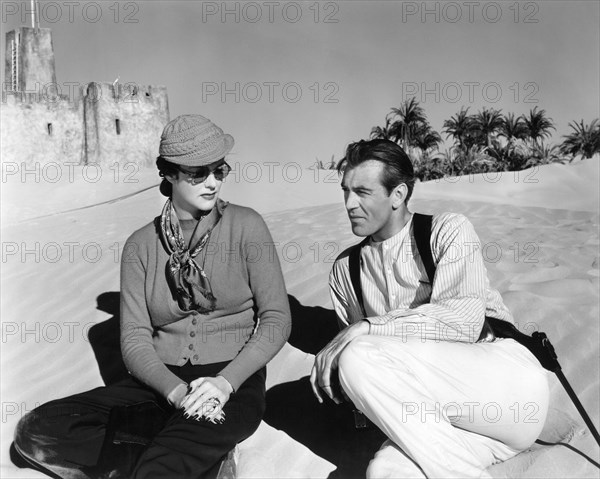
x=398, y=167
x=166, y=168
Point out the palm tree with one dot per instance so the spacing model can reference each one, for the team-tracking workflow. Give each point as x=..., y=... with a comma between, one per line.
x=426, y=138
x=488, y=123
x=538, y=125
x=459, y=127
x=544, y=155
x=513, y=128
x=382, y=132
x=409, y=119
x=512, y=155
x=408, y=126
x=459, y=161
x=584, y=140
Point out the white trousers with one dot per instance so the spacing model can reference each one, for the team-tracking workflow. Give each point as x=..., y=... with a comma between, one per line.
x=450, y=410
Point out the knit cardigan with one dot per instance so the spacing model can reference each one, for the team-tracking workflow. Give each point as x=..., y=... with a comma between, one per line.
x=244, y=271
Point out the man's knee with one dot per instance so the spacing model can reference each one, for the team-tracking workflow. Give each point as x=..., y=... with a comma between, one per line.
x=358, y=364
x=356, y=356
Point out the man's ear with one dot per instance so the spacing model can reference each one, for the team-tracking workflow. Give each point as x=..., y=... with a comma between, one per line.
x=399, y=195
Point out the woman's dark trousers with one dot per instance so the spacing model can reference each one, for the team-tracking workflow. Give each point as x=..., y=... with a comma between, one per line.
x=143, y=436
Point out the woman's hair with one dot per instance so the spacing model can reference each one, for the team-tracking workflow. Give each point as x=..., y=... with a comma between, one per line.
x=398, y=168
x=166, y=168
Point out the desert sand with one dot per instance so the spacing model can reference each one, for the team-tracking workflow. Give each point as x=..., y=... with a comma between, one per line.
x=60, y=280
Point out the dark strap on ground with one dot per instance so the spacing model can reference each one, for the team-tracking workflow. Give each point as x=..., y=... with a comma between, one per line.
x=585, y=456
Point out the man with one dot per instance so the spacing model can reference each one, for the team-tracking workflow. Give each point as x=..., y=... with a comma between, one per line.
x=449, y=405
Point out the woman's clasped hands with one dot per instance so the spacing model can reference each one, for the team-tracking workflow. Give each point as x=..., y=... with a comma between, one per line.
x=206, y=399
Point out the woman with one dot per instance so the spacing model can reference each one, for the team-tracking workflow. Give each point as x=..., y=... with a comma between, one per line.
x=194, y=284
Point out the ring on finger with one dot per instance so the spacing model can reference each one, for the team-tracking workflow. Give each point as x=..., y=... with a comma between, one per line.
x=211, y=404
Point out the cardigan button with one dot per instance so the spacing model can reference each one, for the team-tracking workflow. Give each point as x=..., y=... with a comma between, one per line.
x=196, y=357
x=192, y=334
x=190, y=347
x=195, y=321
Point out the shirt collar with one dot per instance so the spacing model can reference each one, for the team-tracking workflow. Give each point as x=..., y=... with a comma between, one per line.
x=395, y=240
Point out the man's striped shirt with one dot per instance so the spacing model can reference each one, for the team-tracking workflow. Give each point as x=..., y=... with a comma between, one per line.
x=398, y=297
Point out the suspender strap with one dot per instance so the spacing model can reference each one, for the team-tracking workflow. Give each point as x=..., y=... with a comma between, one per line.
x=354, y=267
x=422, y=232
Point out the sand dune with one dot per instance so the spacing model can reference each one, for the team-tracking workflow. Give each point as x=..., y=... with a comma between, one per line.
x=540, y=239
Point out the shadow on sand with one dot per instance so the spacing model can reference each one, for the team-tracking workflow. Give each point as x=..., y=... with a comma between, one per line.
x=326, y=429
x=104, y=338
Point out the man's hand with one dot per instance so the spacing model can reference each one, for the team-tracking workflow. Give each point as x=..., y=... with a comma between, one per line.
x=207, y=397
x=327, y=360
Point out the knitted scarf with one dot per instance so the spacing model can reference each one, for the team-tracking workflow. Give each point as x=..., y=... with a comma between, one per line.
x=187, y=280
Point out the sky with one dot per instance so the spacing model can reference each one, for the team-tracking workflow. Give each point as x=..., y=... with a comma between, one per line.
x=296, y=81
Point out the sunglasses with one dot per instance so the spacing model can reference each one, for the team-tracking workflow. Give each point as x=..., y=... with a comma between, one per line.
x=200, y=174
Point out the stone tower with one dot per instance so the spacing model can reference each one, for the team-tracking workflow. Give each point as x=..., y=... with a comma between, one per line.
x=29, y=60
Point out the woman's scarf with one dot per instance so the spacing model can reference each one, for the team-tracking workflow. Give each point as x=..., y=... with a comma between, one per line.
x=187, y=280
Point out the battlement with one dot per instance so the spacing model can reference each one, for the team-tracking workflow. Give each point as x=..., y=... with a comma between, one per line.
x=129, y=92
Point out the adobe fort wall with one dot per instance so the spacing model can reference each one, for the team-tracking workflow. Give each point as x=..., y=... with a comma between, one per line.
x=100, y=123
